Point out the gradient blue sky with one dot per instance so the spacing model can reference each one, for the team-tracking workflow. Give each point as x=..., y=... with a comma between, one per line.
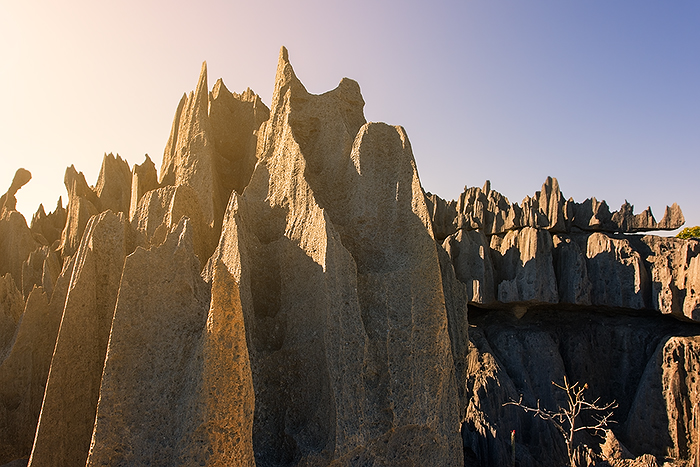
x=602, y=94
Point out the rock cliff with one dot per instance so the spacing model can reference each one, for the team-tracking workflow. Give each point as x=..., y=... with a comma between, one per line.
x=285, y=293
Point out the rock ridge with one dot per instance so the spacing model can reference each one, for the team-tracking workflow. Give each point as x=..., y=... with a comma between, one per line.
x=286, y=293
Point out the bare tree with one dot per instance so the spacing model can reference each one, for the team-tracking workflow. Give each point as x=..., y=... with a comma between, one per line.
x=565, y=419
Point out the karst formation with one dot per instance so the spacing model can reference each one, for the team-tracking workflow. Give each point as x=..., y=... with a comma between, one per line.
x=284, y=293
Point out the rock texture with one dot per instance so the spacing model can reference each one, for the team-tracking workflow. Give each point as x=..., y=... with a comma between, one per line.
x=285, y=293
x=332, y=306
x=161, y=311
x=72, y=389
x=627, y=358
x=212, y=144
x=491, y=212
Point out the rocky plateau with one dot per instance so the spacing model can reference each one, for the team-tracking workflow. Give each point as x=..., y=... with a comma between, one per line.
x=283, y=292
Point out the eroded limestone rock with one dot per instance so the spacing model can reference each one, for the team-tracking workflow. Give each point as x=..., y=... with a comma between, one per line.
x=616, y=272
x=471, y=256
x=11, y=308
x=72, y=389
x=570, y=269
x=49, y=226
x=212, y=145
x=524, y=266
x=321, y=245
x=159, y=211
x=8, y=201
x=144, y=178
x=83, y=203
x=152, y=410
x=663, y=417
x=672, y=280
x=113, y=187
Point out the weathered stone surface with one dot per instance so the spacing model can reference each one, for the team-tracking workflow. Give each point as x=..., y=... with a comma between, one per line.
x=41, y=268
x=113, y=187
x=571, y=272
x=691, y=304
x=72, y=389
x=443, y=215
x=673, y=218
x=159, y=211
x=551, y=204
x=144, y=178
x=212, y=145
x=235, y=120
x=616, y=272
x=324, y=291
x=663, y=417
x=83, y=203
x=161, y=312
x=456, y=301
x=612, y=353
x=524, y=266
x=23, y=374
x=16, y=243
x=8, y=201
x=386, y=228
x=491, y=212
x=49, y=226
x=672, y=280
x=471, y=257
x=11, y=308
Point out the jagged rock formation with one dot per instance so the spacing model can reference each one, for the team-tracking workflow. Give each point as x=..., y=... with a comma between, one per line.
x=553, y=251
x=286, y=294
x=491, y=212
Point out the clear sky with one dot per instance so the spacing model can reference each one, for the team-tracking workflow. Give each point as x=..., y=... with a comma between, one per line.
x=602, y=94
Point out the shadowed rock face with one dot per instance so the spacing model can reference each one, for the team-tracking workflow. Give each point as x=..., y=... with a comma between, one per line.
x=333, y=300
x=287, y=294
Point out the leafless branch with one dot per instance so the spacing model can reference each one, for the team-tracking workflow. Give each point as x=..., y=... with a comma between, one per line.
x=565, y=418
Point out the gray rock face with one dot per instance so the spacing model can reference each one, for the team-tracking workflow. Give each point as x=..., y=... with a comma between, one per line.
x=471, y=257
x=324, y=290
x=212, y=145
x=72, y=389
x=11, y=309
x=113, y=186
x=663, y=417
x=491, y=212
x=571, y=271
x=144, y=178
x=149, y=409
x=672, y=279
x=629, y=359
x=616, y=272
x=49, y=226
x=297, y=299
x=83, y=203
x=159, y=211
x=523, y=264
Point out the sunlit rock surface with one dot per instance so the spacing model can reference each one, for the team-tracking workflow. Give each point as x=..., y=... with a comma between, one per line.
x=285, y=293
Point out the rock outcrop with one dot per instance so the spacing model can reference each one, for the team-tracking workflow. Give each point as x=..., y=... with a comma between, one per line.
x=49, y=226
x=72, y=389
x=287, y=294
x=161, y=311
x=487, y=210
x=212, y=145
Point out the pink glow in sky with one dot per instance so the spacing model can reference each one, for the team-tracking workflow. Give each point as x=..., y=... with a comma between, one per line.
x=604, y=95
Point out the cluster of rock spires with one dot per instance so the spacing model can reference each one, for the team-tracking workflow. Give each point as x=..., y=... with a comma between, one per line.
x=286, y=294
x=553, y=251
